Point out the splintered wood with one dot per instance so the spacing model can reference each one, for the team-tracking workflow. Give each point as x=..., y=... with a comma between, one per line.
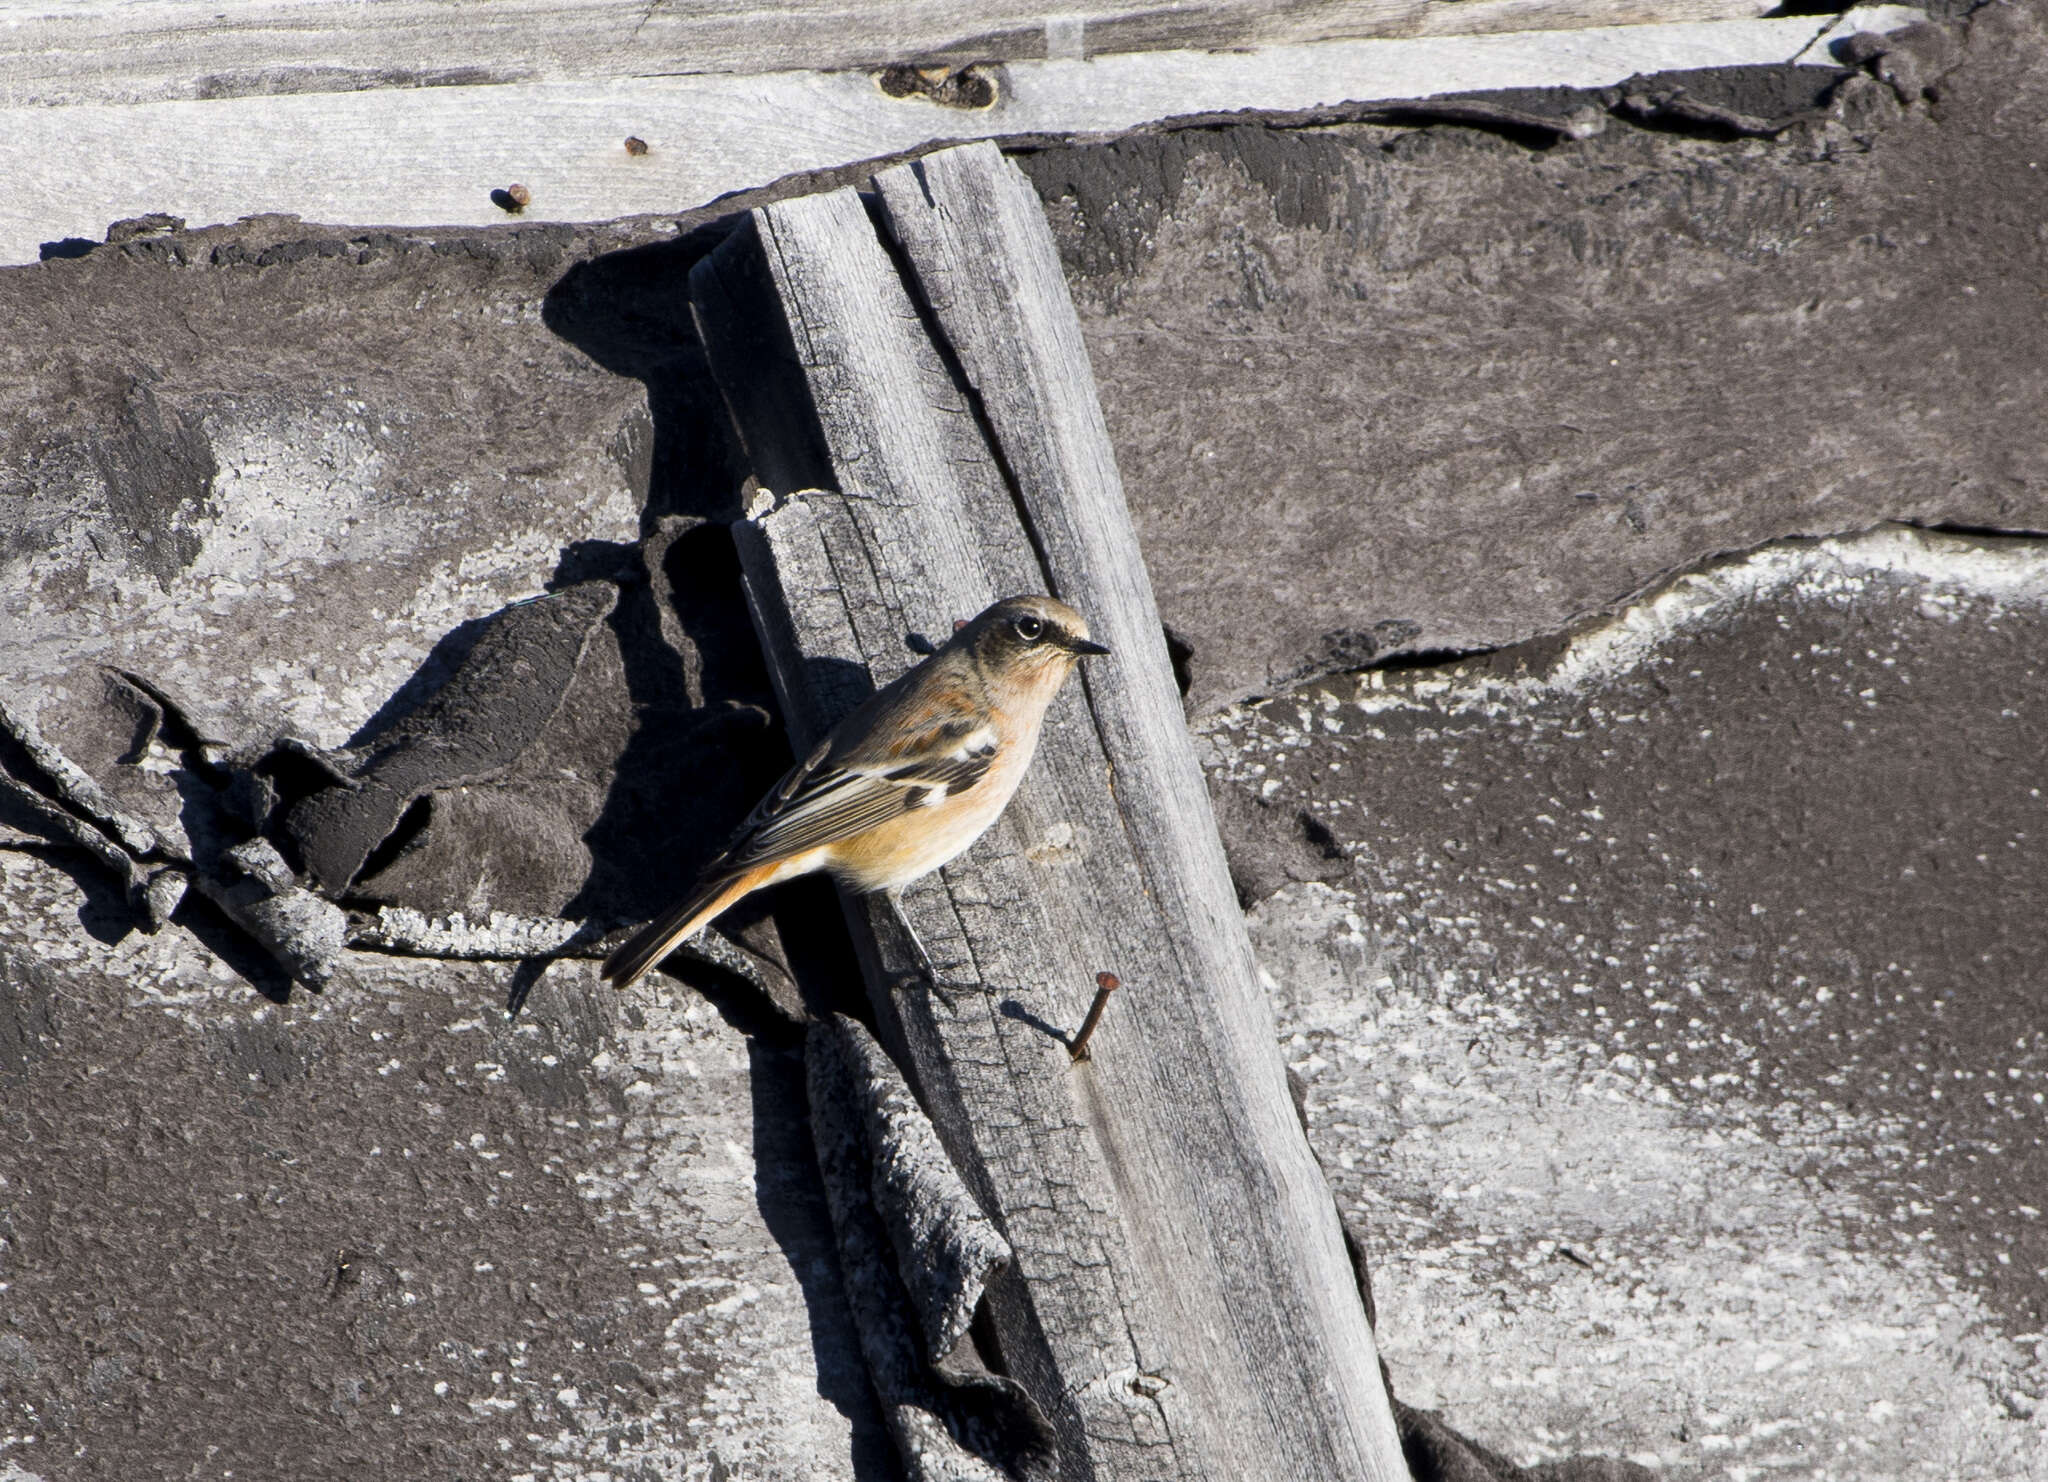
x=1180, y=1303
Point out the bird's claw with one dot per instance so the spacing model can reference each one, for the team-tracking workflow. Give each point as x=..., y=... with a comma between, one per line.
x=947, y=991
x=932, y=974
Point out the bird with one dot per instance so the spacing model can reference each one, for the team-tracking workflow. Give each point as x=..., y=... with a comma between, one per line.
x=905, y=783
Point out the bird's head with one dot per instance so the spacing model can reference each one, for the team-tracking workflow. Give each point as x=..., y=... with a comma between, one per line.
x=1029, y=640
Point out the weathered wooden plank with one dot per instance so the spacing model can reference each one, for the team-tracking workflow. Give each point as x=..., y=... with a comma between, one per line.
x=837, y=584
x=431, y=156
x=976, y=239
x=1180, y=1304
x=113, y=51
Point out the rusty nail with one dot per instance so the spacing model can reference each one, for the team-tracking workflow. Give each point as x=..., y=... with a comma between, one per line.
x=1105, y=984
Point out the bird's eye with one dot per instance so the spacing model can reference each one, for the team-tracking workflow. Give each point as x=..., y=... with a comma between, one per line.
x=1029, y=628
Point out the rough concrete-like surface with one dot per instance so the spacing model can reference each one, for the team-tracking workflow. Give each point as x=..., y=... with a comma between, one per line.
x=1373, y=390
x=293, y=486
x=1378, y=391
x=298, y=446
x=383, y=1232
x=1674, y=1021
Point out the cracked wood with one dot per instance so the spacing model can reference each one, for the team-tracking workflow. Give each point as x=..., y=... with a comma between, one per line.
x=1181, y=1302
x=109, y=52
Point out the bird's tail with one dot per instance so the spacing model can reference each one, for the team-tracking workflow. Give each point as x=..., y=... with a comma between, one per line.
x=658, y=937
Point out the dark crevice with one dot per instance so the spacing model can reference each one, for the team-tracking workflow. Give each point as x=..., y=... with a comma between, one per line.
x=1318, y=835
x=1444, y=658
x=1181, y=654
x=411, y=824
x=1420, y=658
x=15, y=762
x=935, y=334
x=1978, y=532
x=1432, y=658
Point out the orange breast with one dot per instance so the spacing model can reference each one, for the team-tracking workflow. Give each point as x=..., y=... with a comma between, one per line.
x=918, y=841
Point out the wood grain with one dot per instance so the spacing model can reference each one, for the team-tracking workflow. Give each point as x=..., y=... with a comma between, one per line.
x=384, y=150
x=114, y=51
x=1181, y=1303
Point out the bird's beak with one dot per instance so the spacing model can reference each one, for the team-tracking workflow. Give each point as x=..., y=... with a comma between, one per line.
x=1083, y=648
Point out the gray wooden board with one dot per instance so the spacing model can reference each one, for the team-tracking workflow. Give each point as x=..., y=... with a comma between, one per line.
x=433, y=155
x=836, y=585
x=115, y=51
x=1169, y=1221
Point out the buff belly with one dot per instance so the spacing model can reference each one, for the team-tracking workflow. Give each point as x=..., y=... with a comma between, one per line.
x=891, y=855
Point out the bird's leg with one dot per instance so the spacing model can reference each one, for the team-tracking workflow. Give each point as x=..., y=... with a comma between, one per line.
x=929, y=969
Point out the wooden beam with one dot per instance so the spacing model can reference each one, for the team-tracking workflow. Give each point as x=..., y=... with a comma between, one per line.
x=118, y=51
x=388, y=151
x=1181, y=1304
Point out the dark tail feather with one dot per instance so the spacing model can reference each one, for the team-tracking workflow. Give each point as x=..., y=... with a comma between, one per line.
x=658, y=937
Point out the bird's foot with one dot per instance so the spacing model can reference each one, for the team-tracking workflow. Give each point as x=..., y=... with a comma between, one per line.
x=930, y=972
x=948, y=991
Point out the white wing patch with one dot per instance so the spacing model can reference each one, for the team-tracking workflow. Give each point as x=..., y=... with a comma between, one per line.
x=815, y=807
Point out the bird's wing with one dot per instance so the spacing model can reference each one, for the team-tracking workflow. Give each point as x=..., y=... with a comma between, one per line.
x=838, y=791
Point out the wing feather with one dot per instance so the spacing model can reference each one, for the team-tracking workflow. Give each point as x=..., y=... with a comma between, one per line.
x=825, y=799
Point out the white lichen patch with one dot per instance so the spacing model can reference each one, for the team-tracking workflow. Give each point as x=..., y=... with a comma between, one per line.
x=1952, y=572
x=497, y=935
x=168, y=971
x=318, y=584
x=1566, y=1259
x=290, y=496
x=680, y=1186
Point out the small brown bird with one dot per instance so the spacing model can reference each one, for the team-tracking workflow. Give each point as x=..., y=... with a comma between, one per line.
x=902, y=785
